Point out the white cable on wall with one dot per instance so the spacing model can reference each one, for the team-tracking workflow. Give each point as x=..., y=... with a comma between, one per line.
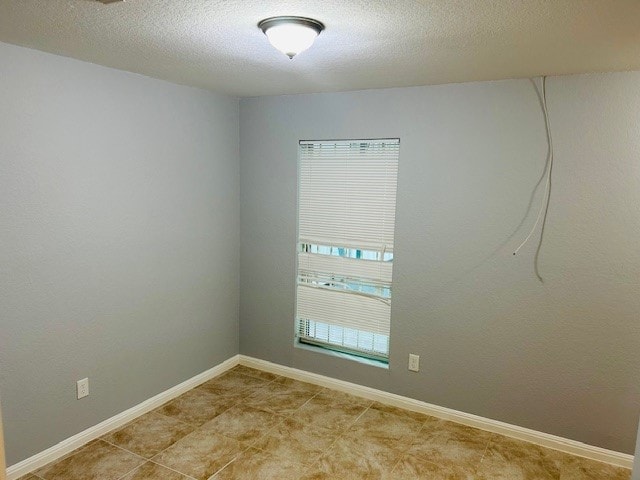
x=544, y=208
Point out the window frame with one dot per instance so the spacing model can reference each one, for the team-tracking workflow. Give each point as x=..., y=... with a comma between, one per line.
x=307, y=341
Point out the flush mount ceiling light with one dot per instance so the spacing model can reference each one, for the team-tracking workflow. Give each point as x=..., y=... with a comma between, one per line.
x=291, y=35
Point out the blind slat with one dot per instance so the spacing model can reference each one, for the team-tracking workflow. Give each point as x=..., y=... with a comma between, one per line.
x=347, y=191
x=343, y=309
x=348, y=267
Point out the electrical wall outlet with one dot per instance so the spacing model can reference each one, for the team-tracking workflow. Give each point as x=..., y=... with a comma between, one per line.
x=83, y=388
x=414, y=362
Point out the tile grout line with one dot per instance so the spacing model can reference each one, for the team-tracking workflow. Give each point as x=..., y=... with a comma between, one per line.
x=154, y=411
x=130, y=452
x=124, y=449
x=233, y=459
x=293, y=417
x=406, y=453
x=130, y=471
x=167, y=448
x=486, y=448
x=225, y=466
x=157, y=412
x=289, y=416
x=342, y=433
x=477, y=466
x=199, y=427
x=149, y=459
x=162, y=415
x=172, y=469
x=196, y=429
x=397, y=462
x=484, y=452
x=358, y=417
x=62, y=458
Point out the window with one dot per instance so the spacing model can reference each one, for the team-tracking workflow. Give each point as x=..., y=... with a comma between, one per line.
x=346, y=218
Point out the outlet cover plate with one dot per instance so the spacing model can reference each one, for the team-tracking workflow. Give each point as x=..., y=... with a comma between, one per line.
x=83, y=388
x=414, y=362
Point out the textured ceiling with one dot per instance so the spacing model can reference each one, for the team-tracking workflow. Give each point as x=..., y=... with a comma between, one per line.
x=216, y=44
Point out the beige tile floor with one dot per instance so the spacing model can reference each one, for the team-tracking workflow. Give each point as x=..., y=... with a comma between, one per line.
x=248, y=424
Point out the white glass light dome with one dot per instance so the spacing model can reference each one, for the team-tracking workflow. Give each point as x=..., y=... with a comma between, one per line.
x=291, y=35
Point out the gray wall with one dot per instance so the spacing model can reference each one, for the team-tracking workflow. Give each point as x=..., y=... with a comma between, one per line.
x=561, y=357
x=636, y=460
x=119, y=199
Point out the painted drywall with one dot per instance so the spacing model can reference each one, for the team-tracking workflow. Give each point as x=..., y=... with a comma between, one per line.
x=119, y=208
x=561, y=356
x=636, y=459
x=3, y=467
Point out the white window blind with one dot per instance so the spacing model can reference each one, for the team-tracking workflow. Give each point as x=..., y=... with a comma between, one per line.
x=346, y=220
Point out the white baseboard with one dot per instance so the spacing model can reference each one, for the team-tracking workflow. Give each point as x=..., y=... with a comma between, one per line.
x=495, y=426
x=66, y=446
x=544, y=439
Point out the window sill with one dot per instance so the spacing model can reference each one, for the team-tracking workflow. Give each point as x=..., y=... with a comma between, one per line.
x=346, y=356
